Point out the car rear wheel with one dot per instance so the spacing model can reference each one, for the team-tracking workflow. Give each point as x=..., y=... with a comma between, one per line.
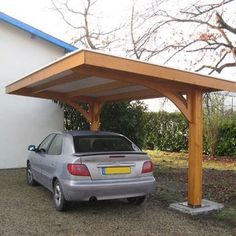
x=136, y=200
x=29, y=176
x=58, y=197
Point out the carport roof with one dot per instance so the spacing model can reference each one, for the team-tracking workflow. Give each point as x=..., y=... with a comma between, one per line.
x=91, y=76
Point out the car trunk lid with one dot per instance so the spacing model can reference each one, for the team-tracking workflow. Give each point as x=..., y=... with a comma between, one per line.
x=113, y=165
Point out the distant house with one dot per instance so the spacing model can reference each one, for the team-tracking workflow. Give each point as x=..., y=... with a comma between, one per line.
x=25, y=120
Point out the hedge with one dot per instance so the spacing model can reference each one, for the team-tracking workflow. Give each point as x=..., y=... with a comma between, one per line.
x=169, y=132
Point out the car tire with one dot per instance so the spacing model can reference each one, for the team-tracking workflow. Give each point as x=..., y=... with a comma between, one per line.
x=29, y=176
x=136, y=200
x=58, y=197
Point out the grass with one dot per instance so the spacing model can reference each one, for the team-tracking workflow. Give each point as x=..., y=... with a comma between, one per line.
x=227, y=214
x=219, y=183
x=180, y=160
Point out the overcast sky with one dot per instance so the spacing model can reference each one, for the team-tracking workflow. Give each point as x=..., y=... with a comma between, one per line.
x=39, y=13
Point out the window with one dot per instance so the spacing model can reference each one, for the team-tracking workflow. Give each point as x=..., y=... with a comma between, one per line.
x=56, y=145
x=103, y=144
x=44, y=145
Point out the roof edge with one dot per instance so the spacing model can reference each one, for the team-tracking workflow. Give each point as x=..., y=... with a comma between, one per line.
x=212, y=83
x=38, y=33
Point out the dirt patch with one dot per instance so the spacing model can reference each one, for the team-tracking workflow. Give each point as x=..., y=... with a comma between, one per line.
x=28, y=210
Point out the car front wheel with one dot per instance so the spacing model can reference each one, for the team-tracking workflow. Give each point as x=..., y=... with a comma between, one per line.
x=29, y=176
x=58, y=197
x=136, y=200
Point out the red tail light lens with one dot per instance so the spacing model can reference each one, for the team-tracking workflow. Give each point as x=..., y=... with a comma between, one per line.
x=78, y=169
x=147, y=167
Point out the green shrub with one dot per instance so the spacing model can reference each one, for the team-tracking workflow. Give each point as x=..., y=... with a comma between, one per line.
x=158, y=130
x=226, y=144
x=165, y=131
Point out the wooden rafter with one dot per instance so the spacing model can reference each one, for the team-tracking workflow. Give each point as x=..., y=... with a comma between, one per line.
x=97, y=88
x=143, y=94
x=50, y=70
x=168, y=90
x=60, y=81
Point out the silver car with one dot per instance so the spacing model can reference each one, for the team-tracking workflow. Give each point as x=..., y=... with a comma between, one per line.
x=90, y=166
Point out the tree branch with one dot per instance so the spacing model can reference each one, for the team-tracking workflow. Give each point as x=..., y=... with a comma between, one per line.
x=223, y=24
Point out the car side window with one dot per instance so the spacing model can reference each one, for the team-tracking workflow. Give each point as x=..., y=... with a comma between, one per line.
x=56, y=145
x=44, y=145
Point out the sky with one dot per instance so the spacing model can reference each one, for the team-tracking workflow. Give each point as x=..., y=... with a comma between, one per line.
x=39, y=14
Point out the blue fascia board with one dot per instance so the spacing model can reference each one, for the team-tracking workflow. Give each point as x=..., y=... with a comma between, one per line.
x=21, y=25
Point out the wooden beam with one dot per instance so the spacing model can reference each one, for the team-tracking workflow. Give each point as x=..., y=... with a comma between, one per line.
x=133, y=78
x=56, y=67
x=54, y=96
x=44, y=94
x=143, y=94
x=175, y=97
x=97, y=88
x=64, y=80
x=195, y=150
x=167, y=90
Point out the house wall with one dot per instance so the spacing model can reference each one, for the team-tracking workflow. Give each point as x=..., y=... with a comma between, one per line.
x=23, y=120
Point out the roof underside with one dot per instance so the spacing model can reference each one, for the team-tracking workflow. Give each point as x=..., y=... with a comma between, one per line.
x=88, y=76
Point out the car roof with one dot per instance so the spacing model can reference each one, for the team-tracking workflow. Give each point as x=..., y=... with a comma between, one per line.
x=90, y=133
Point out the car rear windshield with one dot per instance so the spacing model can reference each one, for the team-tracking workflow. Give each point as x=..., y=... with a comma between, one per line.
x=103, y=144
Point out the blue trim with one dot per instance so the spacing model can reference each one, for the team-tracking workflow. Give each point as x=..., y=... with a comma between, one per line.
x=36, y=32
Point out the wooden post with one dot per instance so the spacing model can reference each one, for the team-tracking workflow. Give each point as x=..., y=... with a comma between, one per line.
x=195, y=150
x=95, y=111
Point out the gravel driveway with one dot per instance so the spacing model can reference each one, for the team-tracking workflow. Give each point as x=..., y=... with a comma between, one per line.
x=28, y=210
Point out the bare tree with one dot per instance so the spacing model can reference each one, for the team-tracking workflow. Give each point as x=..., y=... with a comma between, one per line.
x=88, y=32
x=144, y=31
x=202, y=30
x=200, y=34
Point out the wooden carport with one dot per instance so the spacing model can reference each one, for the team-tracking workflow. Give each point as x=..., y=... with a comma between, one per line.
x=96, y=78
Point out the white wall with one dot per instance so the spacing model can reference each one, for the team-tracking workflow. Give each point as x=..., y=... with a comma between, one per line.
x=23, y=120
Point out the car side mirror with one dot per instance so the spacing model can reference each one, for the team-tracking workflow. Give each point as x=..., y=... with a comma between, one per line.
x=32, y=148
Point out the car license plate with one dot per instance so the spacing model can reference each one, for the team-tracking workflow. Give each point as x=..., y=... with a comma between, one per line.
x=116, y=170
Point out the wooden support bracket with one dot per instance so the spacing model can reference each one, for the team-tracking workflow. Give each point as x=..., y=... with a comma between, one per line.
x=177, y=98
x=78, y=107
x=92, y=116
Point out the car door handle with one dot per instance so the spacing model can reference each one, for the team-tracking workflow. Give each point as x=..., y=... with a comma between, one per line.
x=52, y=163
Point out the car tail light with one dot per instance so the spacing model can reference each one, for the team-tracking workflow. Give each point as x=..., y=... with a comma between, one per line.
x=78, y=169
x=147, y=167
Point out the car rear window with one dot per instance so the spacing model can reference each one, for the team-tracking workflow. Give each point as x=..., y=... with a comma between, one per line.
x=103, y=144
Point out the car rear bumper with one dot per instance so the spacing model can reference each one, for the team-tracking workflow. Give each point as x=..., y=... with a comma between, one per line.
x=107, y=189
